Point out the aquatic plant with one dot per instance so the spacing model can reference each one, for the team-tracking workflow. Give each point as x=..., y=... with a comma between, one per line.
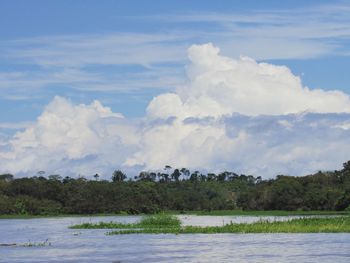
x=266, y=213
x=35, y=244
x=165, y=223
x=27, y=244
x=160, y=221
x=301, y=225
x=153, y=221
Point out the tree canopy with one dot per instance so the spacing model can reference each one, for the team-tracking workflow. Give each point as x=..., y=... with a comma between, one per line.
x=173, y=189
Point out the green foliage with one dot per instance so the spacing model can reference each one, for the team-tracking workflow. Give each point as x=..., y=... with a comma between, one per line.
x=177, y=189
x=6, y=177
x=274, y=213
x=118, y=176
x=103, y=225
x=153, y=221
x=160, y=220
x=7, y=205
x=303, y=225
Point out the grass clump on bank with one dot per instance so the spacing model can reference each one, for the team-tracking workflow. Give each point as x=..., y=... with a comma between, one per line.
x=170, y=224
x=301, y=225
x=148, y=222
x=266, y=213
x=160, y=221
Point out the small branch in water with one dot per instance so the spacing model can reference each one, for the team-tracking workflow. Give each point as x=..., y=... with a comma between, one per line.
x=28, y=244
x=8, y=245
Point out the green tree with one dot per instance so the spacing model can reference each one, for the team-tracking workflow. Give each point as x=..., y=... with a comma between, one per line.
x=175, y=175
x=118, y=176
x=6, y=177
x=96, y=176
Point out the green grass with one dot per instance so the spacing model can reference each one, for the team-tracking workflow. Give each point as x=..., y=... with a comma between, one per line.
x=170, y=224
x=266, y=213
x=153, y=221
x=302, y=225
x=160, y=220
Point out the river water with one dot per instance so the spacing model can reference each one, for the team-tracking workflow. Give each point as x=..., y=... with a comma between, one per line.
x=71, y=245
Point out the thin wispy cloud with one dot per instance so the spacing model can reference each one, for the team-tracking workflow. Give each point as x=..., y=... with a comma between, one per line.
x=309, y=32
x=323, y=21
x=15, y=126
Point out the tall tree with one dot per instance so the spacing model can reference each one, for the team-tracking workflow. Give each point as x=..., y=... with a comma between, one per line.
x=118, y=176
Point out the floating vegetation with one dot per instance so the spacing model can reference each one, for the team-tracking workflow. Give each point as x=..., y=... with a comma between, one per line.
x=169, y=224
x=266, y=213
x=160, y=221
x=8, y=244
x=36, y=244
x=149, y=222
x=27, y=244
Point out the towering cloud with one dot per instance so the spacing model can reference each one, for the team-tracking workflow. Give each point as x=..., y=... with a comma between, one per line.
x=219, y=85
x=66, y=137
x=232, y=114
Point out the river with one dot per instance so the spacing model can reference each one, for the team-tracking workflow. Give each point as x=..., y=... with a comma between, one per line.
x=62, y=244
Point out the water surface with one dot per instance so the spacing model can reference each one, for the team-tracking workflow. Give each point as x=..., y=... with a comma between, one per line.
x=71, y=245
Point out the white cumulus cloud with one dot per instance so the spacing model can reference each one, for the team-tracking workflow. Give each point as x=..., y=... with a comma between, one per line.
x=67, y=137
x=220, y=85
x=233, y=114
x=293, y=144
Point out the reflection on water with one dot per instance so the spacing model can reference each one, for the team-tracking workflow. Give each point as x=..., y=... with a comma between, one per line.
x=71, y=245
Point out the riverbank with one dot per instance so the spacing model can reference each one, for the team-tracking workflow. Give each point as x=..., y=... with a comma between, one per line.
x=199, y=213
x=56, y=216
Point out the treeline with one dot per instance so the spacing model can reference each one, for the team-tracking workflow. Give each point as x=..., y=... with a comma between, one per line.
x=173, y=189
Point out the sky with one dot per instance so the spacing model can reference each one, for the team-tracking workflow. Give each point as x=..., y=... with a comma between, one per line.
x=258, y=87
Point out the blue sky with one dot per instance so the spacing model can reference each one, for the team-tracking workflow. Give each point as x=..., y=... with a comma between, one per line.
x=125, y=53
x=30, y=28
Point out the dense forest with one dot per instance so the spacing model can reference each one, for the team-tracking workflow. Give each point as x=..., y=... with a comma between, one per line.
x=173, y=189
